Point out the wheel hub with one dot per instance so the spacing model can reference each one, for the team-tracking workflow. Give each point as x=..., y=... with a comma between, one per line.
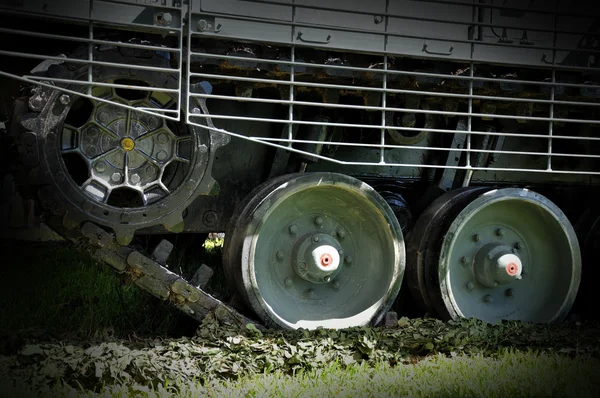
x=124, y=149
x=127, y=144
x=317, y=258
x=495, y=264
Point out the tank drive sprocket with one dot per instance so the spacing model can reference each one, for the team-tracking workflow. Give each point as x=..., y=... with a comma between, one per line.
x=96, y=161
x=32, y=129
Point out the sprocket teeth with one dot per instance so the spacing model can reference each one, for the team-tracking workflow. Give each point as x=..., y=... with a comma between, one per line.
x=212, y=186
x=72, y=219
x=174, y=223
x=124, y=236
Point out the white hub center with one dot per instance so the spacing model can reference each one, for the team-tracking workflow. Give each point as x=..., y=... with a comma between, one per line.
x=326, y=259
x=511, y=264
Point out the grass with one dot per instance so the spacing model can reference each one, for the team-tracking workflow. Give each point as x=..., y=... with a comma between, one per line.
x=80, y=331
x=513, y=374
x=50, y=289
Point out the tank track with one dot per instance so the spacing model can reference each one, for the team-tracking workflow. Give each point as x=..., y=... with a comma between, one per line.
x=148, y=272
x=101, y=242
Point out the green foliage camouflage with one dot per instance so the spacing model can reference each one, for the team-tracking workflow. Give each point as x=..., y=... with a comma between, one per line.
x=512, y=374
x=220, y=352
x=99, y=342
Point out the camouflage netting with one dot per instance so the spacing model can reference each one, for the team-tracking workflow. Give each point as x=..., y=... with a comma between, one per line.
x=220, y=352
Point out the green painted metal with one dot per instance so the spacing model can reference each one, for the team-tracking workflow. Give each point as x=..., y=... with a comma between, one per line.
x=279, y=227
x=422, y=246
x=508, y=226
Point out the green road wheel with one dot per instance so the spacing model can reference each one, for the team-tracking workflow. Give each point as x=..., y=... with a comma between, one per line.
x=422, y=246
x=315, y=250
x=505, y=254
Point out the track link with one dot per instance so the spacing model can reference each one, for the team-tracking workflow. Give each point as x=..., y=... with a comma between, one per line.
x=148, y=274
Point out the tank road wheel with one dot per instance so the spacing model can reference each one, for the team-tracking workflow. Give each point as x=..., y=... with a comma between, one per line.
x=423, y=241
x=315, y=250
x=501, y=254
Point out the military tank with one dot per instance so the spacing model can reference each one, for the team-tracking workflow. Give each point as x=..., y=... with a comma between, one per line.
x=424, y=156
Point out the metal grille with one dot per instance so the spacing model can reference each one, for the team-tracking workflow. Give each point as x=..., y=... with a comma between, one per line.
x=490, y=87
x=461, y=85
x=95, y=25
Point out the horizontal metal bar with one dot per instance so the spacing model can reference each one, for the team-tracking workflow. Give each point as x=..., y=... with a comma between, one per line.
x=388, y=71
x=145, y=27
x=148, y=4
x=385, y=34
x=87, y=62
x=378, y=127
x=409, y=110
x=159, y=110
x=100, y=84
x=430, y=56
x=387, y=14
x=426, y=166
x=426, y=148
x=511, y=8
x=77, y=93
x=87, y=40
x=297, y=83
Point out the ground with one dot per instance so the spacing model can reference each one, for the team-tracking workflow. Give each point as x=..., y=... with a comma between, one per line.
x=72, y=327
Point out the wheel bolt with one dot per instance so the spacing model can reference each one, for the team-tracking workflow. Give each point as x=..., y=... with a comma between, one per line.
x=464, y=260
x=341, y=252
x=496, y=284
x=319, y=220
x=518, y=246
x=153, y=123
x=336, y=285
x=280, y=255
x=288, y=281
x=500, y=232
x=303, y=265
x=341, y=233
x=151, y=171
x=487, y=298
x=315, y=239
x=293, y=229
x=100, y=167
x=348, y=259
x=91, y=150
x=161, y=155
x=470, y=286
x=327, y=279
x=135, y=179
x=103, y=117
x=508, y=293
x=162, y=138
x=65, y=99
x=476, y=238
x=116, y=177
